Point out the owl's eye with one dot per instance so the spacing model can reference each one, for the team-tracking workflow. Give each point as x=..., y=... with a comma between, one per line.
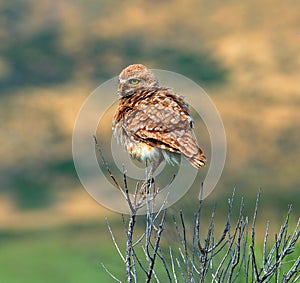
x=134, y=81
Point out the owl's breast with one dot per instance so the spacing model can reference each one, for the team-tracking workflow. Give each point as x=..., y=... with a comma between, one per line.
x=142, y=151
x=137, y=149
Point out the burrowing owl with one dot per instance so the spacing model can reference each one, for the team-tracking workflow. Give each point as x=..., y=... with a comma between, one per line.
x=153, y=122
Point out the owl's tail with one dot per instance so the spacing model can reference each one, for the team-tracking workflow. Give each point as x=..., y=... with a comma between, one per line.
x=188, y=146
x=197, y=160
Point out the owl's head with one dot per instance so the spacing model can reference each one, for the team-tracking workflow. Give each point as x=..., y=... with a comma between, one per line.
x=135, y=77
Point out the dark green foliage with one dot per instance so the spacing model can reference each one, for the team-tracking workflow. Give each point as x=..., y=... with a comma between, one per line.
x=35, y=186
x=65, y=167
x=31, y=190
x=199, y=66
x=37, y=60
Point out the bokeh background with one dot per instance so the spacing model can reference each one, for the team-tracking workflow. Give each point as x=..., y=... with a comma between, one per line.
x=53, y=54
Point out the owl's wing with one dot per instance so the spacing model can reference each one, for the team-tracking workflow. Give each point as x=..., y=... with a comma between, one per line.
x=162, y=120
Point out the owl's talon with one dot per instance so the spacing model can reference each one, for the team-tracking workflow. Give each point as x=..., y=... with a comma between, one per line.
x=146, y=186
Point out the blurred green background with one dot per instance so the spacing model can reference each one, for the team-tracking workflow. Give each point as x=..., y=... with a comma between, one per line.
x=53, y=54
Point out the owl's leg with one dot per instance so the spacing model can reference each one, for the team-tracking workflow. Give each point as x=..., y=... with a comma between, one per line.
x=149, y=174
x=154, y=164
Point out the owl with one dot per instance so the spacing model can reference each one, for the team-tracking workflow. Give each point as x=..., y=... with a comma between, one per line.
x=153, y=122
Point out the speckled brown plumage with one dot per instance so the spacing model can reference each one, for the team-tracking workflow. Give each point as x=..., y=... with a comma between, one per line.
x=153, y=122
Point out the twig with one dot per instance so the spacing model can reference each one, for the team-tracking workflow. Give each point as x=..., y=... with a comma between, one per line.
x=107, y=167
x=129, y=247
x=152, y=259
x=293, y=270
x=254, y=263
x=185, y=246
x=173, y=266
x=114, y=240
x=110, y=274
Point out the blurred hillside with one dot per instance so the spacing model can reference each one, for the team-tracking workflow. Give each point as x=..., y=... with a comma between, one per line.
x=53, y=54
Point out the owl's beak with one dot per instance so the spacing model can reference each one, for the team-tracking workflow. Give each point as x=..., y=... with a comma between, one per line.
x=123, y=91
x=119, y=91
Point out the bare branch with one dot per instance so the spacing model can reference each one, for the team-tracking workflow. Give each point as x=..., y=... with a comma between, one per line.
x=156, y=246
x=293, y=271
x=106, y=166
x=131, y=225
x=114, y=240
x=110, y=274
x=173, y=266
x=205, y=257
